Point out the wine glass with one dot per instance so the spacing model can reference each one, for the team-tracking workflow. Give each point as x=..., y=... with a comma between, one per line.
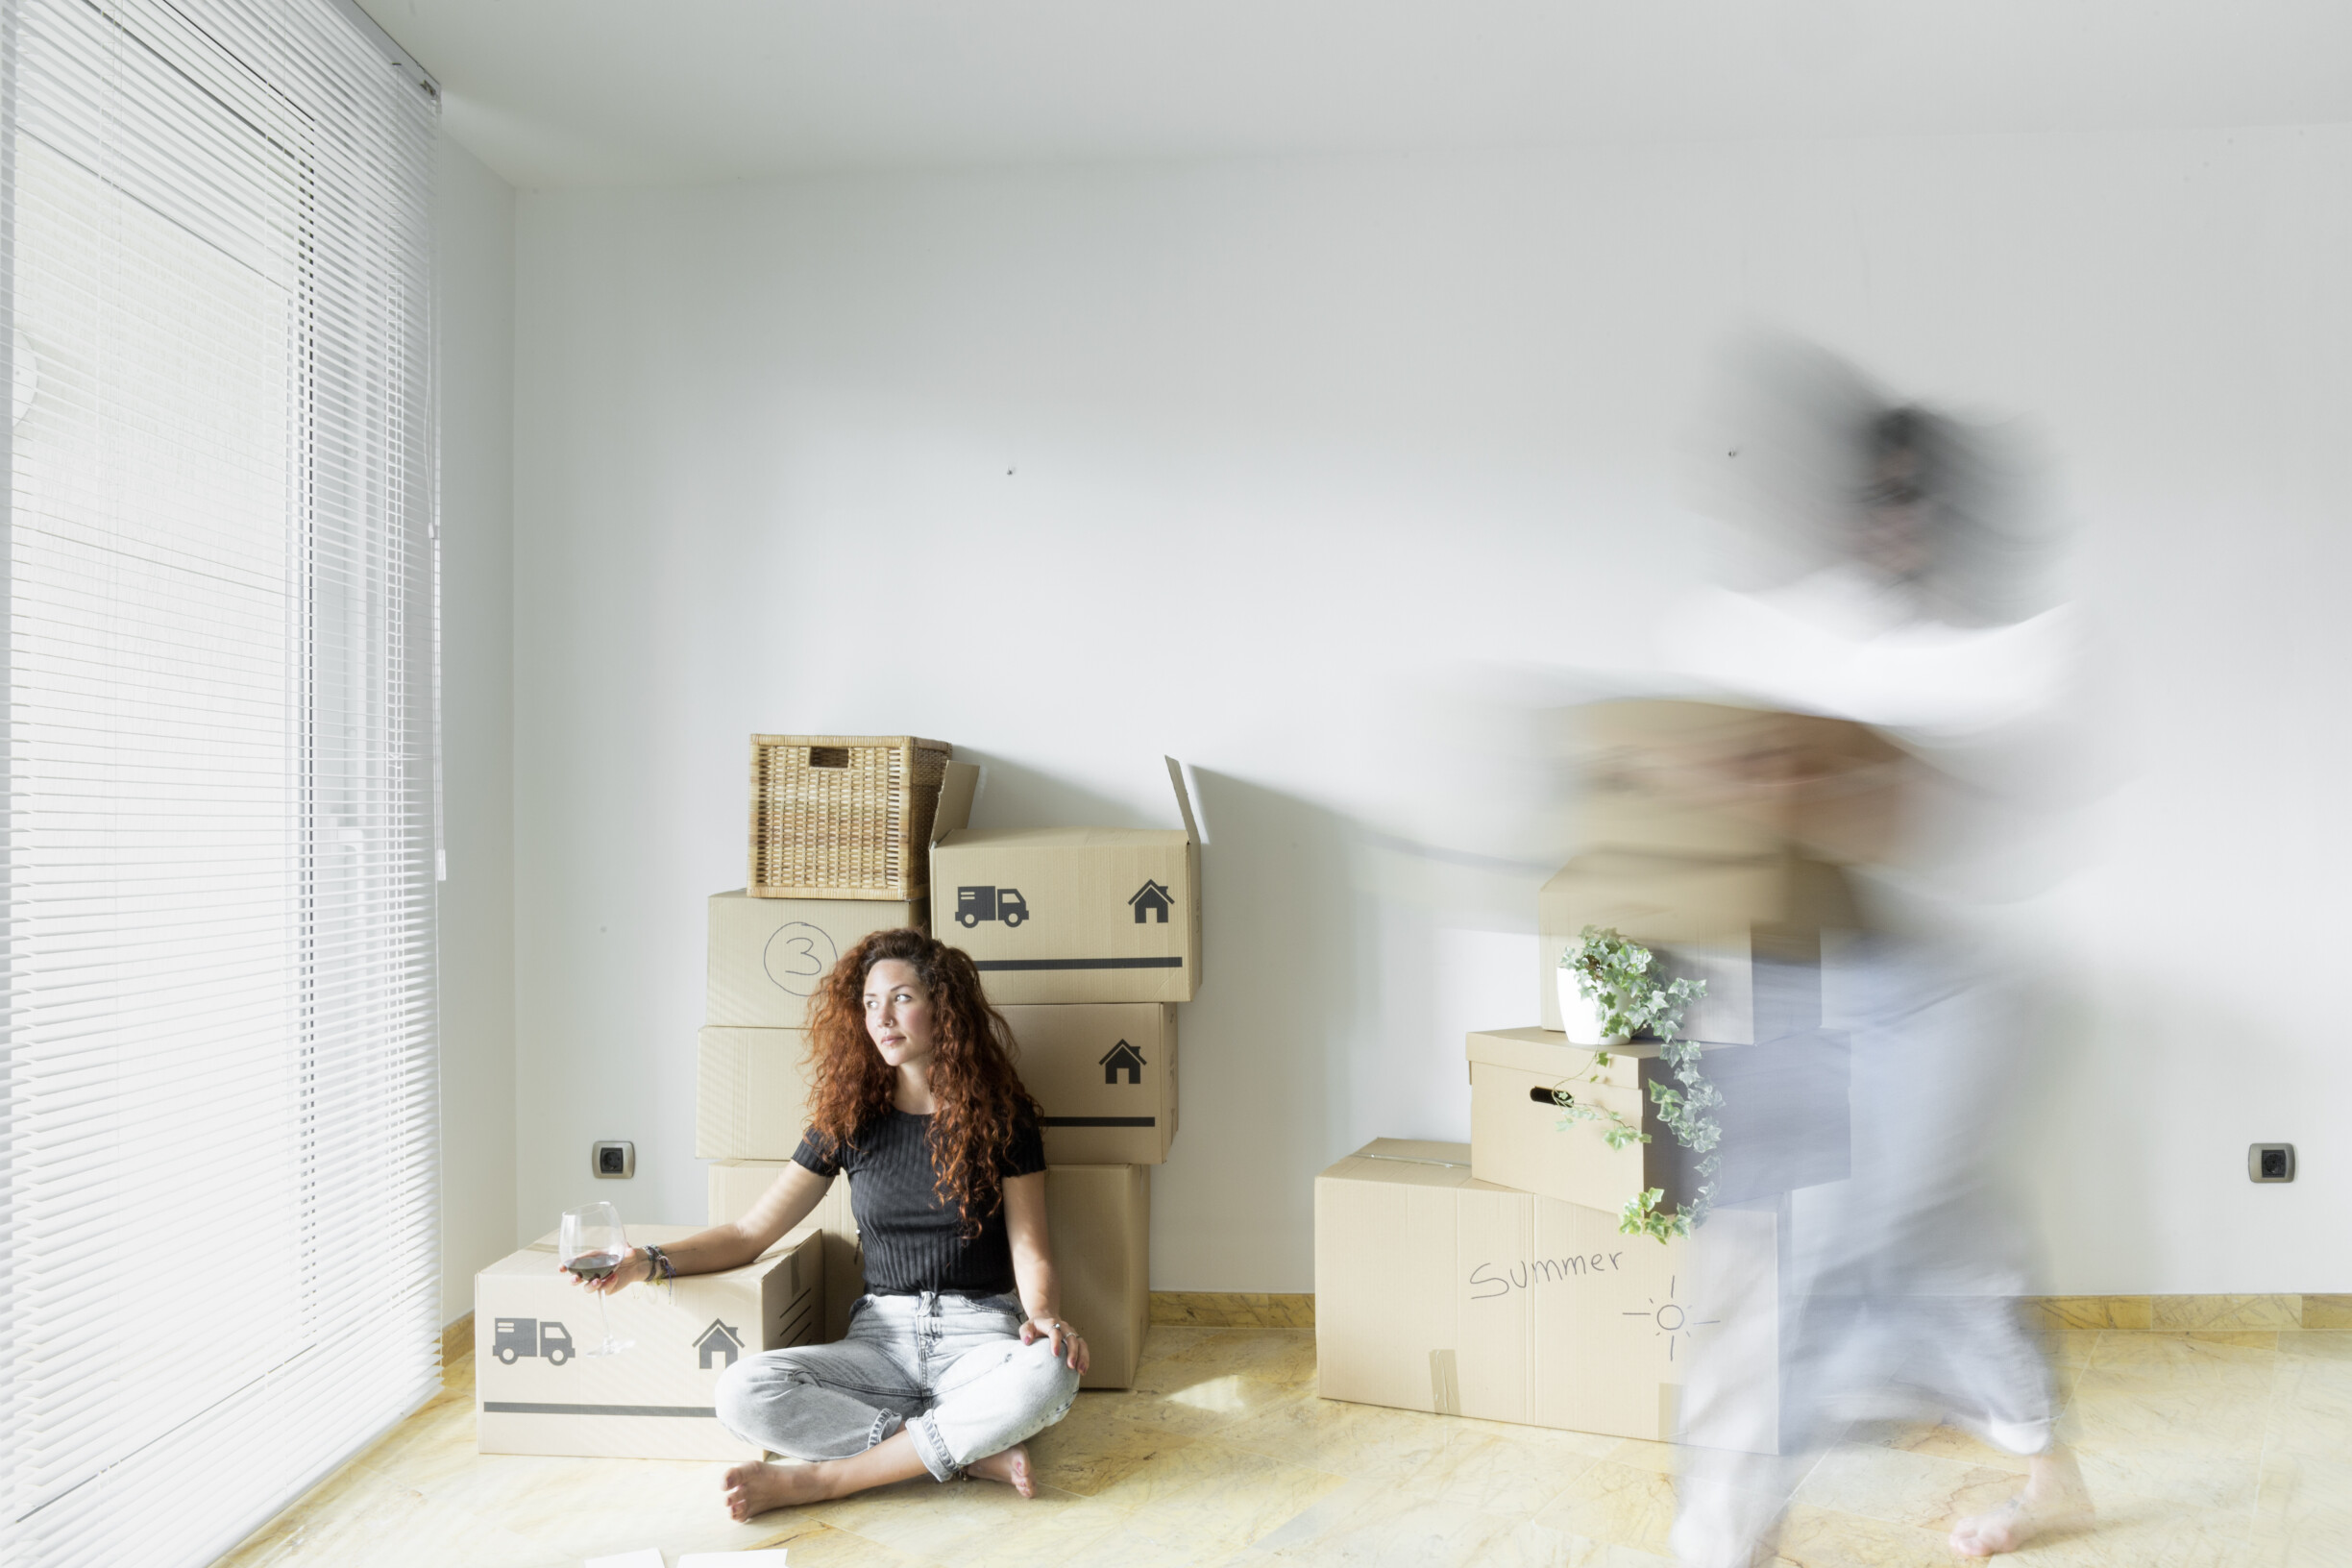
x=591, y=1244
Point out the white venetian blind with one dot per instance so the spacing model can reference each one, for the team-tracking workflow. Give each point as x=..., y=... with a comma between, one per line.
x=218, y=1272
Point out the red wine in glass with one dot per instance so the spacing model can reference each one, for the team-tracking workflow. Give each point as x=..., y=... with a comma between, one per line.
x=591, y=1244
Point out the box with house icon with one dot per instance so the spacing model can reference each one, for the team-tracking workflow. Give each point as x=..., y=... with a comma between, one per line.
x=1105, y=1073
x=538, y=1390
x=1074, y=914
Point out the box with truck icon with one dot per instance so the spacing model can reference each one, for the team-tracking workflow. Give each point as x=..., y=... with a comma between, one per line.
x=1076, y=914
x=537, y=1390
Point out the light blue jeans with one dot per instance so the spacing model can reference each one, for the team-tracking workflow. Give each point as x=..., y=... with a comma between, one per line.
x=949, y=1369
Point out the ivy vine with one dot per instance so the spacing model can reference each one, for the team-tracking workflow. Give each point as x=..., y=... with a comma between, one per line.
x=1626, y=983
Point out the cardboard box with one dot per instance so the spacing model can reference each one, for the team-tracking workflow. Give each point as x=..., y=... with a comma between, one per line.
x=1098, y=1218
x=1784, y=1119
x=1076, y=914
x=767, y=956
x=1106, y=1074
x=1435, y=1291
x=750, y=1093
x=1752, y=929
x=1707, y=778
x=1619, y=817
x=536, y=1394
x=735, y=1184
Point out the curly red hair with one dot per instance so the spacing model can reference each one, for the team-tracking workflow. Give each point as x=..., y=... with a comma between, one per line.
x=981, y=1102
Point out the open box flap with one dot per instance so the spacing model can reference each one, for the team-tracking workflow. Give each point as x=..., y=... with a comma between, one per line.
x=1183, y=799
x=955, y=802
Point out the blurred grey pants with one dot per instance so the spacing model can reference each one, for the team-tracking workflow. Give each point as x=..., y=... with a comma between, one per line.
x=949, y=1369
x=1903, y=1303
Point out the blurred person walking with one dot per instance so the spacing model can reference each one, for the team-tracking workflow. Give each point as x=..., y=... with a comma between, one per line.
x=1925, y=615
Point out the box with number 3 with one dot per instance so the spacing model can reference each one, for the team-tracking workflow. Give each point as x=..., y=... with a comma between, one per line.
x=768, y=955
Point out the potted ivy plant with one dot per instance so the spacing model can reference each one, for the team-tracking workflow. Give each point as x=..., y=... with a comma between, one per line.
x=1612, y=989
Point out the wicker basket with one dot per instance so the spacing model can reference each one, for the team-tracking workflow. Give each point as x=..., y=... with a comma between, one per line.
x=844, y=816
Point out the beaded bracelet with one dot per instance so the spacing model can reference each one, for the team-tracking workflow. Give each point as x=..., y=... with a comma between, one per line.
x=660, y=1261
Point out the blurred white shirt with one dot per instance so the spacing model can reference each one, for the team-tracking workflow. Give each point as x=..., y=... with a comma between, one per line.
x=1847, y=644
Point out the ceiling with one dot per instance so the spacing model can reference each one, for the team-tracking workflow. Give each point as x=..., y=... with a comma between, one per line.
x=606, y=92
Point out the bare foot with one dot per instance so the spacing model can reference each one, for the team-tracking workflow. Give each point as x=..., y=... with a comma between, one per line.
x=2053, y=1500
x=1009, y=1465
x=756, y=1489
x=2010, y=1528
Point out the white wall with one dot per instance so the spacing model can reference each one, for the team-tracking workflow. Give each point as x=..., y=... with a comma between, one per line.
x=1318, y=476
x=473, y=217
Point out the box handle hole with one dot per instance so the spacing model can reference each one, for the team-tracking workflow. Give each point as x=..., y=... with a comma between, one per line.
x=828, y=756
x=1548, y=1096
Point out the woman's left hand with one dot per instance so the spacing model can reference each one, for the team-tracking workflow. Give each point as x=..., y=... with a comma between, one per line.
x=1067, y=1344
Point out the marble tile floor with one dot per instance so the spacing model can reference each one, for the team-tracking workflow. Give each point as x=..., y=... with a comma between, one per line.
x=2203, y=1449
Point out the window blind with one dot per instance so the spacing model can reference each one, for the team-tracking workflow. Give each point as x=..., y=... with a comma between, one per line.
x=218, y=1260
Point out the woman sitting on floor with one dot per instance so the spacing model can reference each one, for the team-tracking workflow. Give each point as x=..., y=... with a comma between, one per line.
x=958, y=1354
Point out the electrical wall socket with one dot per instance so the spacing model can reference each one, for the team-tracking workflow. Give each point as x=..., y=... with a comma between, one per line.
x=2270, y=1162
x=615, y=1157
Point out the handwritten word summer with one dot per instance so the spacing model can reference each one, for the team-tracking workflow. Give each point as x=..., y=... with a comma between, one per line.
x=1505, y=1279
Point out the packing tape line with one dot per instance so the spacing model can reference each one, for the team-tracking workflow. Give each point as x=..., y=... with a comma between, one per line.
x=1101, y=1121
x=1445, y=1385
x=1420, y=1160
x=1176, y=963
x=695, y=1412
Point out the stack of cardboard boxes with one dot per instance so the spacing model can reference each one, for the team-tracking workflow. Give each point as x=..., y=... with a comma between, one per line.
x=839, y=833
x=1490, y=1278
x=1086, y=938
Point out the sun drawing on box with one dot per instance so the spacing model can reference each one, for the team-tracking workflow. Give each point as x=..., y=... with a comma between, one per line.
x=1672, y=1318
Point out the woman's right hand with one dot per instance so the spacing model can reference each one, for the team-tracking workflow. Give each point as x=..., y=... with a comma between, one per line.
x=637, y=1265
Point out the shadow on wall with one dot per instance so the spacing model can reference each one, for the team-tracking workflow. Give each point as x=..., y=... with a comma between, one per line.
x=1339, y=968
x=1264, y=1047
x=1014, y=797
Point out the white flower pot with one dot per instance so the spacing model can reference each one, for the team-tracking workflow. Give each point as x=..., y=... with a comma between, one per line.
x=1579, y=1017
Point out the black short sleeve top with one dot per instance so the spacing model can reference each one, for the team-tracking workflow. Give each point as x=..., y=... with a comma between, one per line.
x=912, y=1239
